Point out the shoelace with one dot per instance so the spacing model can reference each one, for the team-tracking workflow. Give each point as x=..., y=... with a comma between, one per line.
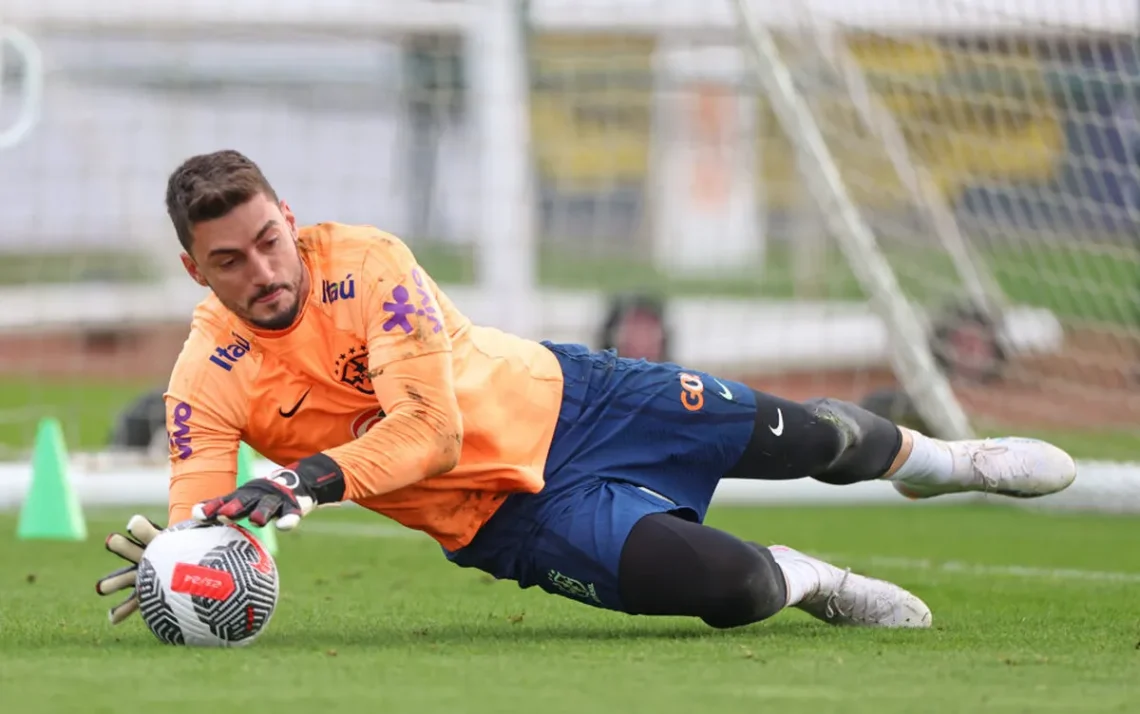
x=878, y=610
x=979, y=459
x=831, y=606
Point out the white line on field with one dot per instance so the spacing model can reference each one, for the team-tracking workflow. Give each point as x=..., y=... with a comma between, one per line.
x=378, y=530
x=1006, y=571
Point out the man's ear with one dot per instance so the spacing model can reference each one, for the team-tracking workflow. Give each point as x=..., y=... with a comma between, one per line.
x=192, y=269
x=290, y=219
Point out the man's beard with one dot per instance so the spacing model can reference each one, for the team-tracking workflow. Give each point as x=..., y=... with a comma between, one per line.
x=281, y=320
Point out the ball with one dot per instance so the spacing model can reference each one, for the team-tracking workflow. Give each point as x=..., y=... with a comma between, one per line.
x=205, y=585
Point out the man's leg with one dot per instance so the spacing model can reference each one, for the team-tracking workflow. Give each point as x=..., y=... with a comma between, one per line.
x=841, y=443
x=671, y=566
x=618, y=546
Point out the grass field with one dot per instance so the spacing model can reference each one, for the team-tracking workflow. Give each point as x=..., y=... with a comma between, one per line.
x=1033, y=612
x=86, y=410
x=1075, y=282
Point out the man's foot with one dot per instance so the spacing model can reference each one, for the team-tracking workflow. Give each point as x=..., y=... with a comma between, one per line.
x=1008, y=466
x=840, y=597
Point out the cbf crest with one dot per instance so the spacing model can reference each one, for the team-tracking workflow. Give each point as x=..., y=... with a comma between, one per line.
x=352, y=369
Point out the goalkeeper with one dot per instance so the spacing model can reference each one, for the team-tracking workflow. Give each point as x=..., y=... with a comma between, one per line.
x=333, y=353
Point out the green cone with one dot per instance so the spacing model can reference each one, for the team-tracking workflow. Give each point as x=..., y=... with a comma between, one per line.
x=51, y=509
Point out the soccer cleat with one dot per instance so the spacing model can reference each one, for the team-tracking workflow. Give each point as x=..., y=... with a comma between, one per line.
x=846, y=598
x=1008, y=466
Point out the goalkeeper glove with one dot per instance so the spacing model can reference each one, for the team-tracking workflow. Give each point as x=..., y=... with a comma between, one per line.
x=285, y=496
x=140, y=532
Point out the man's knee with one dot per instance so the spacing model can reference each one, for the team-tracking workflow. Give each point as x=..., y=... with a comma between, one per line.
x=670, y=566
x=745, y=588
x=830, y=440
x=870, y=443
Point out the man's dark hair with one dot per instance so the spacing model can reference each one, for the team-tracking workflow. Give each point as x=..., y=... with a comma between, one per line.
x=209, y=186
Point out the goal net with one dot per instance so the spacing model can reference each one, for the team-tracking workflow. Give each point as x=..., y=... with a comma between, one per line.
x=927, y=206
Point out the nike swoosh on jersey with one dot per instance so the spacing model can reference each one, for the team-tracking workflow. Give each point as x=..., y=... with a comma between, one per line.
x=296, y=406
x=724, y=391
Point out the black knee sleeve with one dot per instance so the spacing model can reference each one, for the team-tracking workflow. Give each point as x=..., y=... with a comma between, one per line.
x=830, y=440
x=789, y=441
x=749, y=589
x=670, y=566
x=870, y=442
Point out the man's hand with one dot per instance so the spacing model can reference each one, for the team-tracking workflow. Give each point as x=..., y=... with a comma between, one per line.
x=141, y=531
x=281, y=496
x=285, y=496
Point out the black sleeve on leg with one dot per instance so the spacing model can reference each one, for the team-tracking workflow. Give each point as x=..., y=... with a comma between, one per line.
x=789, y=441
x=872, y=442
x=827, y=439
x=671, y=566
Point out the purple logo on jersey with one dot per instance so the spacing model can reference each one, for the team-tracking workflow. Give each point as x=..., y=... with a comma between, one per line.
x=426, y=308
x=400, y=311
x=331, y=291
x=180, y=437
x=226, y=357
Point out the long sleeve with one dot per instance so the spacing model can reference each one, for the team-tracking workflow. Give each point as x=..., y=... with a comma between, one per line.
x=409, y=356
x=203, y=447
x=420, y=436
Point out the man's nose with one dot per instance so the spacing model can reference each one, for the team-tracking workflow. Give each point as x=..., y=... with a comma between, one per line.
x=260, y=270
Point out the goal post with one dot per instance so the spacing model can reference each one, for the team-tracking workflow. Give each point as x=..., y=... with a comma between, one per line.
x=910, y=351
x=990, y=149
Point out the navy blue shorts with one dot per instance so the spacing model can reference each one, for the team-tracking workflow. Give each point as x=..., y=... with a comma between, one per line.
x=633, y=438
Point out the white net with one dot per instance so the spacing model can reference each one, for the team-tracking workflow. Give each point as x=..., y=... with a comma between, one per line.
x=988, y=147
x=997, y=167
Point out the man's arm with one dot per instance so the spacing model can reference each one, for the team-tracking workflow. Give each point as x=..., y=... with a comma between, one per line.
x=409, y=360
x=421, y=435
x=203, y=458
x=203, y=453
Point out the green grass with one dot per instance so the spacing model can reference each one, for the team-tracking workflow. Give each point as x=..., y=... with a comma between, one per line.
x=87, y=410
x=386, y=624
x=1073, y=282
x=75, y=265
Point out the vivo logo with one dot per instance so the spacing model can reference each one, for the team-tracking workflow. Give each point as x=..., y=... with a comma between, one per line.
x=180, y=434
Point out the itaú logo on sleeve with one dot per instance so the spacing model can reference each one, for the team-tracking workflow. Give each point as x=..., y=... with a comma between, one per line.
x=366, y=420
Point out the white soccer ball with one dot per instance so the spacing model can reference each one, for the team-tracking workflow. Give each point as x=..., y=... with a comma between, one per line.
x=207, y=586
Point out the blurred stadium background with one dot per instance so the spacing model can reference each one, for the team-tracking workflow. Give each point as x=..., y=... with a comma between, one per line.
x=931, y=206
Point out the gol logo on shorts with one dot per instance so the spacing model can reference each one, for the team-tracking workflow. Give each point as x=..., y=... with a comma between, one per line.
x=692, y=391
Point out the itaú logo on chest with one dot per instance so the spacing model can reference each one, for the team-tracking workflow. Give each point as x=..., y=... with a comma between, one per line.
x=366, y=420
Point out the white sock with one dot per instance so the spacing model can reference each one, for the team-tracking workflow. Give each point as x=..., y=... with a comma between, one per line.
x=930, y=461
x=801, y=578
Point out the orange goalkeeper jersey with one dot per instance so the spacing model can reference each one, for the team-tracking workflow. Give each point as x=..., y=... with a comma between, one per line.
x=358, y=377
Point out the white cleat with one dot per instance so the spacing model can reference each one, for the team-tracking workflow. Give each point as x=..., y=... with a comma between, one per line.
x=1007, y=466
x=846, y=598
